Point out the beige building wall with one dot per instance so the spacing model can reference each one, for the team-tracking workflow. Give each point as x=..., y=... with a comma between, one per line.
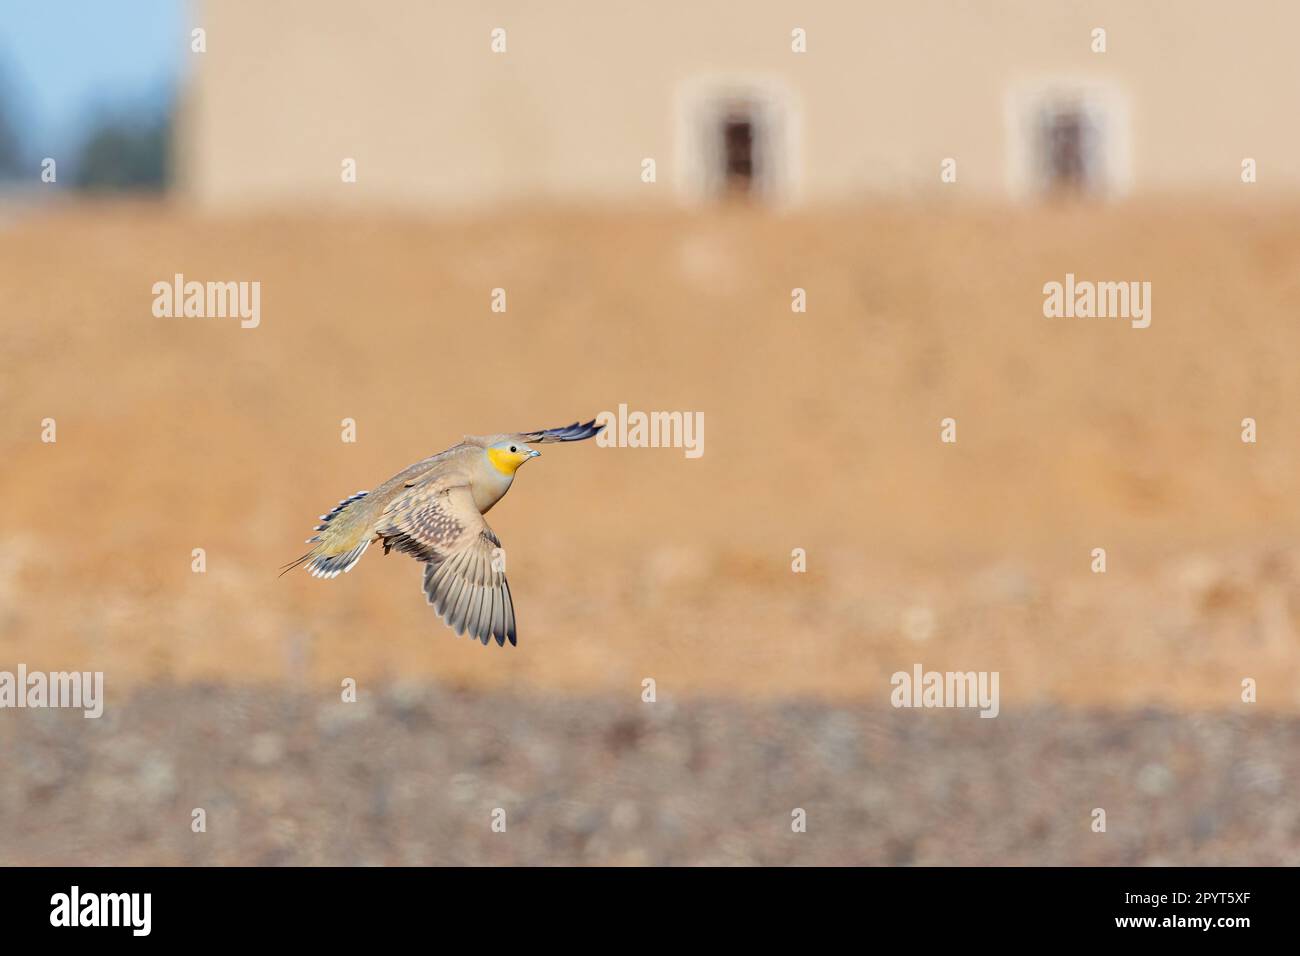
x=586, y=90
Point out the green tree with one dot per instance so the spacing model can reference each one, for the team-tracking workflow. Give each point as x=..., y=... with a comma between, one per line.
x=121, y=154
x=11, y=148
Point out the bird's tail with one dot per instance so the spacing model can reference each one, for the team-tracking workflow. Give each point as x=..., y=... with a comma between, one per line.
x=339, y=545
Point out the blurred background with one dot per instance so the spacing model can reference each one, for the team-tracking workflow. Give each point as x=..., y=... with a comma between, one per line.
x=380, y=169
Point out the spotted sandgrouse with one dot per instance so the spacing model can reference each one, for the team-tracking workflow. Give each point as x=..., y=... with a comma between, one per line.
x=434, y=512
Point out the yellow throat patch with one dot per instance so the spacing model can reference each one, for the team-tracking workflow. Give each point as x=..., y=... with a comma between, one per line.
x=506, y=462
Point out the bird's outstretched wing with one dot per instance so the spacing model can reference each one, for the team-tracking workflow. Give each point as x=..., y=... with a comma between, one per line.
x=575, y=432
x=439, y=525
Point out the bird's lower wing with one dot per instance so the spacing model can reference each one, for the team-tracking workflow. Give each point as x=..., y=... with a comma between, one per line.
x=471, y=594
x=463, y=580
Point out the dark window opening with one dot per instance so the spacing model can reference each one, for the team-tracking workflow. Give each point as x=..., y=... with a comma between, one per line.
x=738, y=151
x=1067, y=152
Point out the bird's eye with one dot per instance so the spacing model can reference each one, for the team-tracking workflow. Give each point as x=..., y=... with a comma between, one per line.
x=513, y=448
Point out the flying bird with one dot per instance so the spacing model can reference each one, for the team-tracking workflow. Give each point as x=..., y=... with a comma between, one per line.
x=434, y=512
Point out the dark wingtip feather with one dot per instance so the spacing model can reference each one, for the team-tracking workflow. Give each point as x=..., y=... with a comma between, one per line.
x=578, y=431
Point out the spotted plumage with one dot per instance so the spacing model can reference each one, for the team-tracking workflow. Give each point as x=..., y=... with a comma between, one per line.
x=434, y=511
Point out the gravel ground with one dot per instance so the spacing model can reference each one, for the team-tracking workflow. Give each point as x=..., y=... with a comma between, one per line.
x=415, y=773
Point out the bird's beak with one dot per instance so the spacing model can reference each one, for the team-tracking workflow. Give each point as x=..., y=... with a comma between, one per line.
x=533, y=453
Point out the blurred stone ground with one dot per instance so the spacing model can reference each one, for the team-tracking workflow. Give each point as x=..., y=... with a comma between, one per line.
x=412, y=775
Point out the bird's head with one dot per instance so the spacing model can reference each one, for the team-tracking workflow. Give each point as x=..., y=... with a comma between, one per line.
x=506, y=456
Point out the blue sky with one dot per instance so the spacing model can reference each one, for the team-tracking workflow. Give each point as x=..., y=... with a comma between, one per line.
x=65, y=62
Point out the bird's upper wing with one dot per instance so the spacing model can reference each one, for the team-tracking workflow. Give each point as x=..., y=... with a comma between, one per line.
x=575, y=432
x=436, y=522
